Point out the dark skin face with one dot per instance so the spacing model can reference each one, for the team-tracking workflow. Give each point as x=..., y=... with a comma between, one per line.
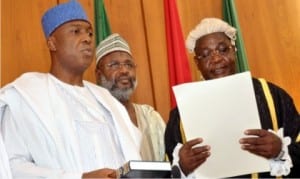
x=72, y=49
x=118, y=68
x=120, y=76
x=215, y=56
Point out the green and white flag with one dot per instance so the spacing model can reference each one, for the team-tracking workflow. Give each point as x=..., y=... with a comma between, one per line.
x=230, y=16
x=102, y=27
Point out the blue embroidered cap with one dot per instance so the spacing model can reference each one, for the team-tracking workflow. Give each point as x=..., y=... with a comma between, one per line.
x=61, y=14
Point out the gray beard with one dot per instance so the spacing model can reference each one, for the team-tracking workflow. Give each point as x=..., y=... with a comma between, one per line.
x=121, y=94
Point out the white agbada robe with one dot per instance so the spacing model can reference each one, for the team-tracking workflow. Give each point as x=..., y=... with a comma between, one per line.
x=4, y=166
x=56, y=130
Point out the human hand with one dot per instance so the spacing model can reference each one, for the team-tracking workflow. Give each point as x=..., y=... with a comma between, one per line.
x=192, y=156
x=262, y=143
x=101, y=173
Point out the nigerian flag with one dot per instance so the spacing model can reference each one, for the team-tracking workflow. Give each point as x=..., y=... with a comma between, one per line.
x=102, y=28
x=230, y=15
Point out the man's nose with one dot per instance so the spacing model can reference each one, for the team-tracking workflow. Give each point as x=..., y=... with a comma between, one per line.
x=123, y=68
x=87, y=38
x=215, y=55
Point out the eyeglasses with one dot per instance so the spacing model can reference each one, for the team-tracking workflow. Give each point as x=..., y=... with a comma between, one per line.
x=118, y=65
x=208, y=53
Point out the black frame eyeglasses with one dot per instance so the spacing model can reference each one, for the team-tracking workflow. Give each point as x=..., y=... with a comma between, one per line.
x=118, y=65
x=208, y=53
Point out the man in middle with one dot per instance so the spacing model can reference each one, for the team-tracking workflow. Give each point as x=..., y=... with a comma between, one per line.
x=116, y=71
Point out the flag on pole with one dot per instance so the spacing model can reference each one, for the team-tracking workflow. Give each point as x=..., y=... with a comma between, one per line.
x=178, y=65
x=102, y=27
x=230, y=15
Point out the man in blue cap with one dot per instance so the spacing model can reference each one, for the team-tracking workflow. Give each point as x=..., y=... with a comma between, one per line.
x=56, y=125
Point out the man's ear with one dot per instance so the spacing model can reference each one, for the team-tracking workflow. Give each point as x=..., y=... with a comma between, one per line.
x=97, y=71
x=98, y=74
x=51, y=43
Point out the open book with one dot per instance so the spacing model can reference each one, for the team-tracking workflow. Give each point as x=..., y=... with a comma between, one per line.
x=144, y=169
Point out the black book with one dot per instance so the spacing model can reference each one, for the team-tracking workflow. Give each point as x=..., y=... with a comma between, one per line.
x=144, y=169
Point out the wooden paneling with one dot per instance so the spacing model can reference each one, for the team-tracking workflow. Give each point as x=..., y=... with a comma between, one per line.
x=191, y=12
x=23, y=43
x=0, y=42
x=141, y=22
x=157, y=54
x=271, y=35
x=129, y=23
x=269, y=27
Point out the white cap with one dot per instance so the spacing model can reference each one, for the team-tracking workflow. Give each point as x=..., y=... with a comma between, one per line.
x=112, y=43
x=208, y=26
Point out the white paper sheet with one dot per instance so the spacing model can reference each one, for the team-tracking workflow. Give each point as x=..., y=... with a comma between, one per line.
x=220, y=111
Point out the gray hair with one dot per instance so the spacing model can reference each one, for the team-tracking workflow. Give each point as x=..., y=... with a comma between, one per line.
x=120, y=94
x=208, y=26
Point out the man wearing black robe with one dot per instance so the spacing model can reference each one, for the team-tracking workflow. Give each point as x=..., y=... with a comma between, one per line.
x=218, y=63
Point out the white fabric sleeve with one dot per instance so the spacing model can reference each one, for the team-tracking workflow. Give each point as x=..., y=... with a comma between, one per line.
x=4, y=166
x=281, y=165
x=176, y=162
x=29, y=171
x=20, y=160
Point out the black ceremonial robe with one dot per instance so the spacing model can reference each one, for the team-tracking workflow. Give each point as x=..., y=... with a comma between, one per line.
x=287, y=117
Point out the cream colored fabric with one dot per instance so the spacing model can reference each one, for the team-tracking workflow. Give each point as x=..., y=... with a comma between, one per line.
x=52, y=131
x=152, y=127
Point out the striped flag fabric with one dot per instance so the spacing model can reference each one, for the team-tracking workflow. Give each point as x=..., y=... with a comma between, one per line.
x=102, y=27
x=178, y=65
x=230, y=16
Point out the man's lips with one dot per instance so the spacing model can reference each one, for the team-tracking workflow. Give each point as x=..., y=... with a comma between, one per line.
x=220, y=69
x=87, y=51
x=124, y=81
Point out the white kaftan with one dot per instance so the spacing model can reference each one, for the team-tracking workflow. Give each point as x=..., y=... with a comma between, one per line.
x=4, y=166
x=55, y=130
x=152, y=127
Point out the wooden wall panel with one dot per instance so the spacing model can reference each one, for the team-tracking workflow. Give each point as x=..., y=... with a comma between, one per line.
x=191, y=12
x=23, y=43
x=270, y=30
x=157, y=54
x=129, y=23
x=271, y=35
x=152, y=43
x=0, y=41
